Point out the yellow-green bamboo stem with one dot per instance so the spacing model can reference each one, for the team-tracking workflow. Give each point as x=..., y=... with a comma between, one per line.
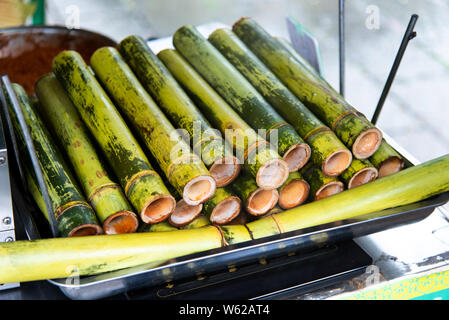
x=105, y=196
x=157, y=80
x=250, y=148
x=358, y=173
x=183, y=169
x=142, y=185
x=223, y=207
x=387, y=160
x=362, y=137
x=74, y=216
x=321, y=186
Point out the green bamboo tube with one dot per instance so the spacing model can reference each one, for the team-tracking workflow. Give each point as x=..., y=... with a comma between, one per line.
x=50, y=258
x=321, y=186
x=240, y=94
x=74, y=216
x=328, y=152
x=295, y=54
x=387, y=160
x=223, y=207
x=199, y=222
x=256, y=201
x=142, y=185
x=363, y=138
x=183, y=169
x=262, y=163
x=105, y=196
x=162, y=226
x=294, y=191
x=358, y=173
x=157, y=80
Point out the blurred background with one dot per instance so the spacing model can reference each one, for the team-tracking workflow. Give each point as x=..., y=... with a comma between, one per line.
x=416, y=112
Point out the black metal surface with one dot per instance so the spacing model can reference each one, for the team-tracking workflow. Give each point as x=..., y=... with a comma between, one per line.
x=292, y=274
x=409, y=35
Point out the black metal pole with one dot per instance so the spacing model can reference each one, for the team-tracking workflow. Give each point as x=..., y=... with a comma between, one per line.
x=409, y=35
x=32, y=153
x=341, y=38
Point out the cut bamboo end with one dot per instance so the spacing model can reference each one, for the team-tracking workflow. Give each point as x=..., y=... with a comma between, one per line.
x=294, y=194
x=261, y=201
x=297, y=156
x=367, y=143
x=121, y=222
x=337, y=163
x=272, y=174
x=390, y=166
x=225, y=170
x=158, y=208
x=199, y=190
x=329, y=189
x=226, y=210
x=184, y=213
x=363, y=176
x=86, y=230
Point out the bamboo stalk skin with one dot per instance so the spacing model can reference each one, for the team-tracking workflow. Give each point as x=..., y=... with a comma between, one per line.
x=359, y=172
x=142, y=185
x=321, y=186
x=234, y=234
x=50, y=258
x=72, y=212
x=105, y=196
x=160, y=84
x=172, y=153
x=223, y=207
x=283, y=100
x=327, y=104
x=162, y=226
x=199, y=222
x=250, y=148
x=233, y=87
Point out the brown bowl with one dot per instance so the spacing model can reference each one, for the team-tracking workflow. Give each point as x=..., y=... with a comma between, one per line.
x=26, y=53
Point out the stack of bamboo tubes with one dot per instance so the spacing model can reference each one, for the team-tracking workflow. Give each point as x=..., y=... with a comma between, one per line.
x=115, y=121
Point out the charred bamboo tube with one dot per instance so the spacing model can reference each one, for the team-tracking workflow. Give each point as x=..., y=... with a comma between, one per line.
x=387, y=160
x=50, y=258
x=157, y=80
x=294, y=191
x=223, y=207
x=257, y=201
x=142, y=185
x=183, y=169
x=358, y=173
x=248, y=145
x=328, y=152
x=74, y=216
x=362, y=137
x=240, y=94
x=105, y=196
x=321, y=186
x=241, y=219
